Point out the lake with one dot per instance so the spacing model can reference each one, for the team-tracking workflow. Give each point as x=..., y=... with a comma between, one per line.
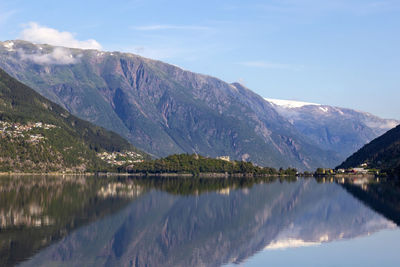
x=122, y=221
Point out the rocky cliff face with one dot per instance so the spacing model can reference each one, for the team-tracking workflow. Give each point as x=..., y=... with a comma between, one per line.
x=161, y=108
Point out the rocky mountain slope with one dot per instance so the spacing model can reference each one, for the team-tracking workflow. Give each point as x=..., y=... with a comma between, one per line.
x=338, y=129
x=38, y=135
x=161, y=108
x=382, y=153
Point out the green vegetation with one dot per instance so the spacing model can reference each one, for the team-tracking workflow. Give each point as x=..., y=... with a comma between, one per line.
x=195, y=165
x=323, y=171
x=383, y=153
x=70, y=144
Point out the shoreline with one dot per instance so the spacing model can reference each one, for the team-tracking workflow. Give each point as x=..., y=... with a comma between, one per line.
x=45, y=174
x=125, y=174
x=185, y=175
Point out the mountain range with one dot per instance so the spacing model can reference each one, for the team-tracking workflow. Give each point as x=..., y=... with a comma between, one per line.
x=338, y=129
x=39, y=135
x=163, y=109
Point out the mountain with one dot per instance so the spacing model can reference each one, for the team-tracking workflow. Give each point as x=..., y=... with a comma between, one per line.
x=332, y=128
x=38, y=135
x=382, y=153
x=161, y=108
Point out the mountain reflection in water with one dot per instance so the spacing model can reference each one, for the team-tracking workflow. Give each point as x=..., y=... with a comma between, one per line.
x=174, y=222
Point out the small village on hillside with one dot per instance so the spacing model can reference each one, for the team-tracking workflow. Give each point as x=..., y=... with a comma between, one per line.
x=18, y=130
x=361, y=170
x=120, y=158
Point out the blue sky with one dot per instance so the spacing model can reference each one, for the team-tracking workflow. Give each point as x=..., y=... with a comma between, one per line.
x=337, y=52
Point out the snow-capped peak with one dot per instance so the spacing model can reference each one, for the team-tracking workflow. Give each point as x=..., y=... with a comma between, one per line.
x=290, y=103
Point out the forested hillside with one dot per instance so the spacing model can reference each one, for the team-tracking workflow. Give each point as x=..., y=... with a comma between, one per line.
x=38, y=135
x=382, y=153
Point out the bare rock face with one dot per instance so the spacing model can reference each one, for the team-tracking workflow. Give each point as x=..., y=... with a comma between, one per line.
x=161, y=108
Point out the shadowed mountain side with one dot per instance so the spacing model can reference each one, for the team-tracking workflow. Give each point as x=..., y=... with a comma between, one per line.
x=215, y=228
x=163, y=109
x=382, y=153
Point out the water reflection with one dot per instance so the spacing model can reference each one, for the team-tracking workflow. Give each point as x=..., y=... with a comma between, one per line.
x=178, y=222
x=383, y=197
x=37, y=211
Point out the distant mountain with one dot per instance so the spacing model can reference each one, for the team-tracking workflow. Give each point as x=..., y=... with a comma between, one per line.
x=383, y=153
x=161, y=108
x=338, y=129
x=38, y=135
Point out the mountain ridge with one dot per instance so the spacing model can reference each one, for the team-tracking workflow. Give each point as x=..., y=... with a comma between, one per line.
x=342, y=130
x=161, y=108
x=164, y=109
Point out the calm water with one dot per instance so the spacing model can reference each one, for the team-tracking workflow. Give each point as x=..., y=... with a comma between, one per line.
x=58, y=221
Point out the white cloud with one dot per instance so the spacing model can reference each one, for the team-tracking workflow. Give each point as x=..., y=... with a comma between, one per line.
x=59, y=56
x=39, y=34
x=271, y=65
x=158, y=27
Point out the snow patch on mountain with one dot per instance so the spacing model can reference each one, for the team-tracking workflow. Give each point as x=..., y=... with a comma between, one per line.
x=8, y=45
x=324, y=109
x=290, y=243
x=290, y=103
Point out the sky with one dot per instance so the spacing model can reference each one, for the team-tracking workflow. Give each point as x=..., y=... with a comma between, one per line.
x=343, y=53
